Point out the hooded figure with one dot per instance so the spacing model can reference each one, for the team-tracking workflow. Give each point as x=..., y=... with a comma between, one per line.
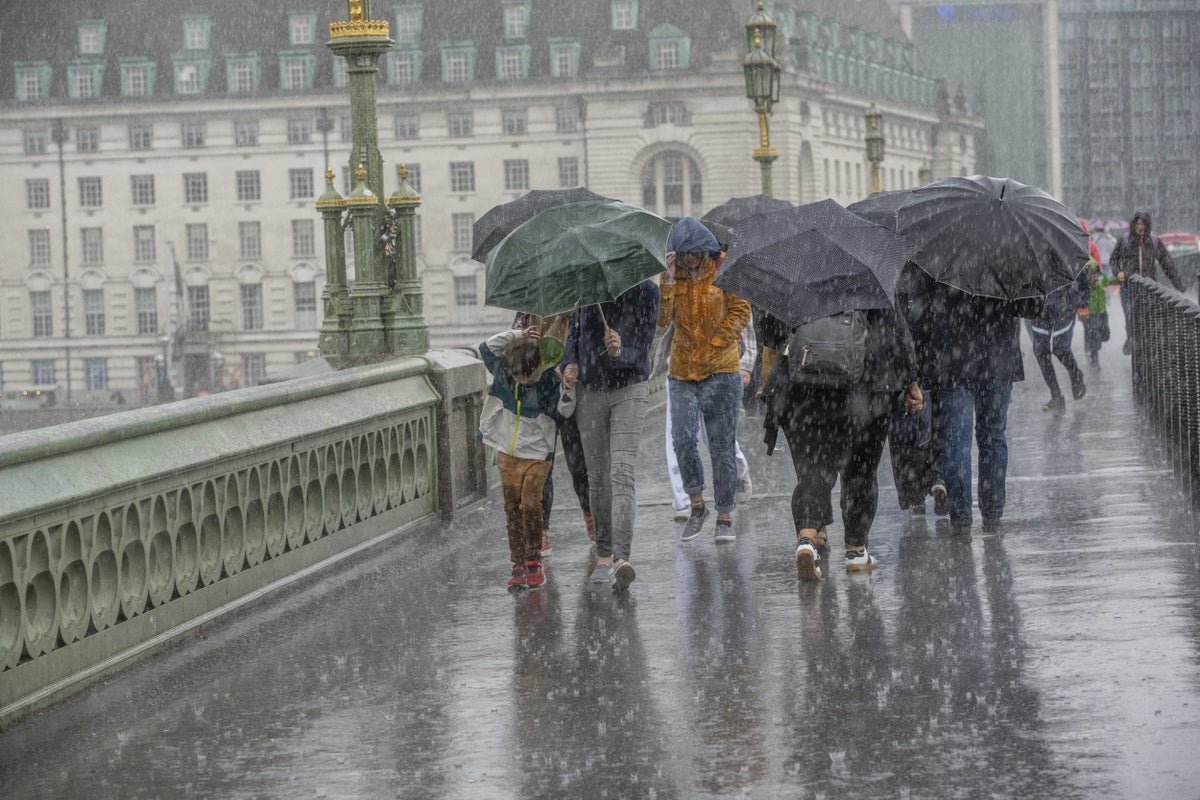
x=1136, y=254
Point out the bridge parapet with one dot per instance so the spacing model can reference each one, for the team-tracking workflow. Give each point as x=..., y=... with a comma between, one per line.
x=119, y=534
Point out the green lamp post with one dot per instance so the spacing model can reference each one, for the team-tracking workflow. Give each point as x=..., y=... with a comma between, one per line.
x=762, y=73
x=875, y=144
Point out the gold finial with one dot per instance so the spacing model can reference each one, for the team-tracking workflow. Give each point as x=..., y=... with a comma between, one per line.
x=760, y=8
x=361, y=173
x=356, y=11
x=757, y=36
x=329, y=175
x=402, y=171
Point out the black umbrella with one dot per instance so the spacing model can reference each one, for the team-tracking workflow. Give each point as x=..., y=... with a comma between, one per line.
x=880, y=207
x=811, y=261
x=490, y=229
x=736, y=209
x=993, y=237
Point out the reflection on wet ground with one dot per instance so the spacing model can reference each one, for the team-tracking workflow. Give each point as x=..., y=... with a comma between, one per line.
x=1057, y=658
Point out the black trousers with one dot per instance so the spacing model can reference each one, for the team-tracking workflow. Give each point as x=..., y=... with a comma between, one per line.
x=835, y=434
x=568, y=431
x=1058, y=345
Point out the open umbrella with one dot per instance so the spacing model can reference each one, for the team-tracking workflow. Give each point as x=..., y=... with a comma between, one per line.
x=993, y=237
x=812, y=261
x=502, y=220
x=575, y=255
x=736, y=209
x=880, y=207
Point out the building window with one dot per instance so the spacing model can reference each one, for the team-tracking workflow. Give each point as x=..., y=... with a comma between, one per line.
x=299, y=131
x=341, y=72
x=197, y=241
x=305, y=300
x=460, y=228
x=195, y=33
x=516, y=122
x=35, y=143
x=462, y=176
x=189, y=78
x=404, y=67
x=302, y=28
x=95, y=374
x=83, y=81
x=458, y=63
x=408, y=126
x=39, y=247
x=91, y=38
x=564, y=58
x=142, y=189
x=43, y=371
x=346, y=127
x=252, y=308
x=516, y=20
x=92, y=240
x=671, y=112
x=300, y=183
x=250, y=239
x=143, y=243
x=414, y=177
x=460, y=123
x=566, y=119
x=141, y=137
x=42, y=314
x=93, y=312
x=254, y=368
x=146, y=304
x=671, y=185
x=87, y=140
x=409, y=22
x=516, y=175
x=241, y=74
x=37, y=193
x=195, y=187
x=245, y=133
x=303, y=238
x=137, y=80
x=91, y=194
x=466, y=298
x=33, y=81
x=248, y=185
x=624, y=14
x=669, y=48
x=192, y=135
x=512, y=63
x=198, y=309
x=295, y=71
x=568, y=172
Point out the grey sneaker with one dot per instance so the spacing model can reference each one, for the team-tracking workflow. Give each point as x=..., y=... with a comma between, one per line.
x=602, y=573
x=724, y=532
x=695, y=523
x=623, y=576
x=745, y=490
x=941, y=502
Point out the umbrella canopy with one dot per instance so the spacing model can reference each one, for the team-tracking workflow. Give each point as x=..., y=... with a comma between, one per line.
x=492, y=227
x=736, y=209
x=1107, y=224
x=993, y=237
x=811, y=261
x=880, y=207
x=575, y=255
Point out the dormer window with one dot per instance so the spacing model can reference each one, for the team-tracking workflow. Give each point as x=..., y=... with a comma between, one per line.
x=32, y=80
x=302, y=28
x=195, y=33
x=624, y=14
x=295, y=71
x=137, y=77
x=516, y=19
x=83, y=81
x=670, y=48
x=91, y=38
x=241, y=73
x=409, y=23
x=458, y=62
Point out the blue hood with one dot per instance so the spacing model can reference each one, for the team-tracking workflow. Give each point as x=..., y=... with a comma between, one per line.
x=690, y=236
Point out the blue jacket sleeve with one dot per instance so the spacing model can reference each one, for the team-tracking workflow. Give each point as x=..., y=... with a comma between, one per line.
x=642, y=315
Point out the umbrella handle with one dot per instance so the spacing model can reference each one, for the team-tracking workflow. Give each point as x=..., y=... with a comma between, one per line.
x=602, y=317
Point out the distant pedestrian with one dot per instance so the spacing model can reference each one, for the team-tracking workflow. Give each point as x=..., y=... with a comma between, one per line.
x=518, y=422
x=1139, y=252
x=704, y=375
x=1051, y=335
x=607, y=364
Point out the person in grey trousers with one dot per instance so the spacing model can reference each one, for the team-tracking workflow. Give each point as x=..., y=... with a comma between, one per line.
x=607, y=364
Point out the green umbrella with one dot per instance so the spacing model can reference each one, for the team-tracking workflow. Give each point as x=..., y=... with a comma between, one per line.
x=575, y=255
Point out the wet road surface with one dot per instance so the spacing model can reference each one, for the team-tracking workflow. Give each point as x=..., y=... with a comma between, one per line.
x=1057, y=658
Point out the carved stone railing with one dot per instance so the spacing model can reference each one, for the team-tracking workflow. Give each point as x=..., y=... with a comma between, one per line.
x=122, y=533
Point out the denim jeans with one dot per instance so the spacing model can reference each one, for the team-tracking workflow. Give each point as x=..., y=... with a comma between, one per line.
x=987, y=407
x=717, y=400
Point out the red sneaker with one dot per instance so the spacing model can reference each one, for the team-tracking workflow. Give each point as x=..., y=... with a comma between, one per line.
x=535, y=576
x=546, y=548
x=591, y=527
x=519, y=579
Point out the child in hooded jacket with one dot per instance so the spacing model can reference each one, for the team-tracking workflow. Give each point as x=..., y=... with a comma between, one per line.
x=518, y=421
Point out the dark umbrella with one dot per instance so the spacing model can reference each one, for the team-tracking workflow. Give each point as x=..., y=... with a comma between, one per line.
x=880, y=207
x=993, y=237
x=492, y=227
x=811, y=261
x=736, y=209
x=574, y=255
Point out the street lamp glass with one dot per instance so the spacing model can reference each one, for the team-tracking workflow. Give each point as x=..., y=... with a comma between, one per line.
x=761, y=31
x=762, y=80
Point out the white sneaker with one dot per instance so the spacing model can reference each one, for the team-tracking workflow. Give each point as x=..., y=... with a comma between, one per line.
x=860, y=561
x=808, y=561
x=745, y=489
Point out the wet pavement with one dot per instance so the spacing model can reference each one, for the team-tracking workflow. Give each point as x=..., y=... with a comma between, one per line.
x=1059, y=657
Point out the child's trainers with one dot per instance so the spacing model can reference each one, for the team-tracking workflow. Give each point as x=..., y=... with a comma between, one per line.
x=519, y=580
x=535, y=576
x=807, y=560
x=860, y=561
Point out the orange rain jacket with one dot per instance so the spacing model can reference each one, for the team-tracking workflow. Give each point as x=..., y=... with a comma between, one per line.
x=707, y=321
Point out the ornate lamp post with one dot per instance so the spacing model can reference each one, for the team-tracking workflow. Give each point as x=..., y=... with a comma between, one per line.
x=58, y=133
x=925, y=174
x=875, y=144
x=762, y=74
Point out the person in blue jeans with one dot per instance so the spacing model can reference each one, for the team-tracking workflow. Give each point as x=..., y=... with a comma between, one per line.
x=969, y=352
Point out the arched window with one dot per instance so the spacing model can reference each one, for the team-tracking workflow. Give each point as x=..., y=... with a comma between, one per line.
x=671, y=185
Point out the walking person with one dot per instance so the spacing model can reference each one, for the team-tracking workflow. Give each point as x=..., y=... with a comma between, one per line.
x=704, y=374
x=1051, y=335
x=1139, y=252
x=1095, y=316
x=607, y=364
x=518, y=421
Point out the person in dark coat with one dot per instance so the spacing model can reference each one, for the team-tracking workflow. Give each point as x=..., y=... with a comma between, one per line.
x=839, y=432
x=1051, y=335
x=969, y=355
x=1139, y=252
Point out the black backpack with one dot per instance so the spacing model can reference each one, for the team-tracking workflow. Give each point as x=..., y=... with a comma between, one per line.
x=831, y=351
